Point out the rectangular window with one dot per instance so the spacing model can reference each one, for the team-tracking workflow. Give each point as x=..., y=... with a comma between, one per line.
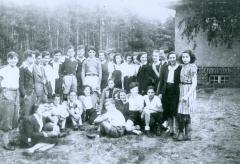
x=220, y=79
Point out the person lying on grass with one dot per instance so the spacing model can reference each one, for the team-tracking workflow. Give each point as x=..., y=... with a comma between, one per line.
x=36, y=134
x=112, y=123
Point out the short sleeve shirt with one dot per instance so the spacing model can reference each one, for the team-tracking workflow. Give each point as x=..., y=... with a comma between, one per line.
x=10, y=77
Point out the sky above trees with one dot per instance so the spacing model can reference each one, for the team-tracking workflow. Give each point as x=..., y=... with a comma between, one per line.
x=146, y=9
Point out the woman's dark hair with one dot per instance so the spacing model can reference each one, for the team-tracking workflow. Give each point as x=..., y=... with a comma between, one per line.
x=128, y=54
x=28, y=53
x=87, y=86
x=56, y=51
x=172, y=52
x=92, y=48
x=150, y=87
x=70, y=47
x=140, y=55
x=103, y=52
x=45, y=53
x=191, y=54
x=121, y=91
x=114, y=58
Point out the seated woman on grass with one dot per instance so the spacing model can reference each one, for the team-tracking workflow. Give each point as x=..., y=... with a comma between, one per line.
x=36, y=134
x=90, y=102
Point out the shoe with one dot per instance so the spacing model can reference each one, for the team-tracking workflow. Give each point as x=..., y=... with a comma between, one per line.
x=187, y=137
x=81, y=127
x=170, y=134
x=137, y=127
x=158, y=131
x=175, y=136
x=147, y=132
x=75, y=128
x=91, y=136
x=27, y=153
x=63, y=134
x=63, y=130
x=9, y=147
x=180, y=137
x=137, y=132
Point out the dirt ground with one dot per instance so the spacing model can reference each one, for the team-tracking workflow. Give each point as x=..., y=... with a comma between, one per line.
x=215, y=139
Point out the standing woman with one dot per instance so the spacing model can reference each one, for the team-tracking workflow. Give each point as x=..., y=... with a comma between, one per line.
x=188, y=84
x=129, y=71
x=118, y=69
x=156, y=66
x=105, y=74
x=144, y=77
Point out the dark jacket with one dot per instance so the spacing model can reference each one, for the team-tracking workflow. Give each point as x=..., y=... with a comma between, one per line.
x=26, y=82
x=123, y=108
x=163, y=79
x=145, y=78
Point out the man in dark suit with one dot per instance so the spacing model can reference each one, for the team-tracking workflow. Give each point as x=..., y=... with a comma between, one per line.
x=168, y=90
x=80, y=59
x=26, y=85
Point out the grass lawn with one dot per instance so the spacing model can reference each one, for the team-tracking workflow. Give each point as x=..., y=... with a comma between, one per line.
x=215, y=139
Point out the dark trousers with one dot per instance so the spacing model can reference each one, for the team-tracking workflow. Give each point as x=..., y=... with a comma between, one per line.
x=91, y=115
x=170, y=101
x=135, y=117
x=156, y=120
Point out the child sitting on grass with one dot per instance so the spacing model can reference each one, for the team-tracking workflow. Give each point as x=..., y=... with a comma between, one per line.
x=75, y=109
x=58, y=113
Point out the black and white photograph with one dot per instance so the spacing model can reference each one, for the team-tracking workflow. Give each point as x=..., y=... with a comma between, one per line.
x=119, y=81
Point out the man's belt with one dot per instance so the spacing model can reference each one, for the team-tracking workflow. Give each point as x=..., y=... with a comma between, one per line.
x=10, y=89
x=91, y=74
x=185, y=83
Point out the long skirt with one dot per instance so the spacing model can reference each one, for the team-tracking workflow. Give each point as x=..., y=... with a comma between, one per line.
x=186, y=107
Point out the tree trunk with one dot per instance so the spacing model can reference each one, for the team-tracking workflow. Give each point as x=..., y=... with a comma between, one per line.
x=57, y=39
x=49, y=35
x=77, y=36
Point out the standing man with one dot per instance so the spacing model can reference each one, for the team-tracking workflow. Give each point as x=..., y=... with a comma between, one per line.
x=50, y=84
x=169, y=91
x=26, y=85
x=9, y=98
x=55, y=63
x=40, y=80
x=92, y=70
x=80, y=58
x=68, y=71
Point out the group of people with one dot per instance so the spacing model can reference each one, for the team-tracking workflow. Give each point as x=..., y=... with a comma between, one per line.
x=119, y=93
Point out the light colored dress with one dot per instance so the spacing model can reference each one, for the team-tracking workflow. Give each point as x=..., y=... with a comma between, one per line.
x=188, y=72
